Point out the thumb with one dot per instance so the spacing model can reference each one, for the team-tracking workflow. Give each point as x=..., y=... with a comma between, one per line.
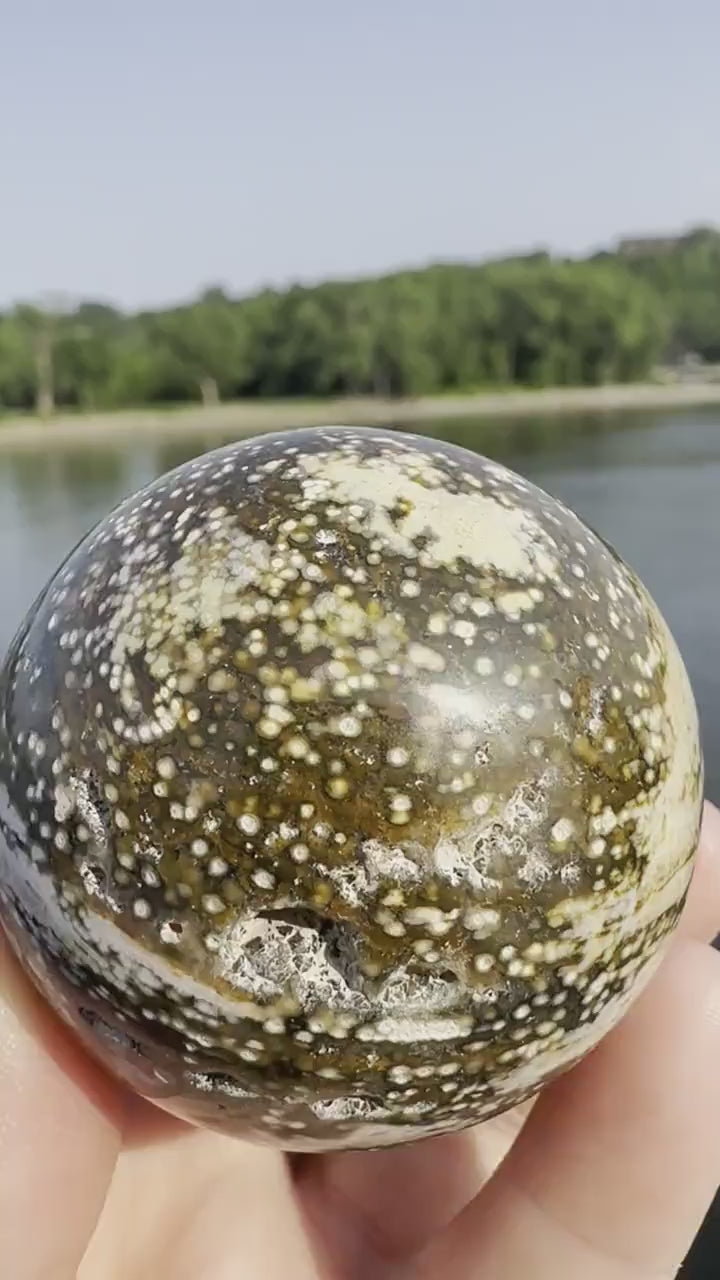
x=615, y=1169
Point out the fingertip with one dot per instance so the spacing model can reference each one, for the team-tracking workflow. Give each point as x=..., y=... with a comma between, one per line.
x=701, y=916
x=711, y=824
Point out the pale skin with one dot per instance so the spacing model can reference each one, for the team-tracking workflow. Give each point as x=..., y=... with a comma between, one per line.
x=607, y=1176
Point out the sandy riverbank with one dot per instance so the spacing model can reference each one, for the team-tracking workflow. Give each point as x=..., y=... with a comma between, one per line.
x=249, y=417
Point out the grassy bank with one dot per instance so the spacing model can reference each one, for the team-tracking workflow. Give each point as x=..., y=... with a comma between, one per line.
x=248, y=417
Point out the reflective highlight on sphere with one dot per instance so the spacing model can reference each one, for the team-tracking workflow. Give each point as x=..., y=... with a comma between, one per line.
x=349, y=788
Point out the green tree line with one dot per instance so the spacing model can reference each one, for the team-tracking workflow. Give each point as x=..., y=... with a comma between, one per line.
x=527, y=321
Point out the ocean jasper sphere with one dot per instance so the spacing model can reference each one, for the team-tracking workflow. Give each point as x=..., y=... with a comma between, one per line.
x=350, y=788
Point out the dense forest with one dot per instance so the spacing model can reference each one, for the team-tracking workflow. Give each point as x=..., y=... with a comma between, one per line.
x=527, y=321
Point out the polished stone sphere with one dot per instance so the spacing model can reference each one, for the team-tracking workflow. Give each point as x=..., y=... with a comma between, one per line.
x=349, y=789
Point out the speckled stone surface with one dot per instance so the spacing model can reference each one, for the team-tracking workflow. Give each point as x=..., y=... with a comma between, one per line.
x=349, y=786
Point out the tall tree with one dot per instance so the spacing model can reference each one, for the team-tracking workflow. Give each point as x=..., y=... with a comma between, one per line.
x=206, y=340
x=38, y=324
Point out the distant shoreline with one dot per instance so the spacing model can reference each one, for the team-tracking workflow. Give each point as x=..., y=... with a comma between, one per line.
x=249, y=417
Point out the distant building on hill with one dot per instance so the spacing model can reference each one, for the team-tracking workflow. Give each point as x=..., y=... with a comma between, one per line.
x=642, y=245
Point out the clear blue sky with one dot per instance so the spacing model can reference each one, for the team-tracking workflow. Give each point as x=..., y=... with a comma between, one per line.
x=150, y=147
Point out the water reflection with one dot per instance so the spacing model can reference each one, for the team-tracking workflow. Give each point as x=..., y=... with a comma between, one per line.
x=173, y=453
x=506, y=439
x=67, y=476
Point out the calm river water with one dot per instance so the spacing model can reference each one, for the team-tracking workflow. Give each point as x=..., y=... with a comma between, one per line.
x=649, y=483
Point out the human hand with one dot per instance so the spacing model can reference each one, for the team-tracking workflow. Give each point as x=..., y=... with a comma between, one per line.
x=608, y=1175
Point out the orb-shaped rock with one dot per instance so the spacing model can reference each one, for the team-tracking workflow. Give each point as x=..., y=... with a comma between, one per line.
x=349, y=788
